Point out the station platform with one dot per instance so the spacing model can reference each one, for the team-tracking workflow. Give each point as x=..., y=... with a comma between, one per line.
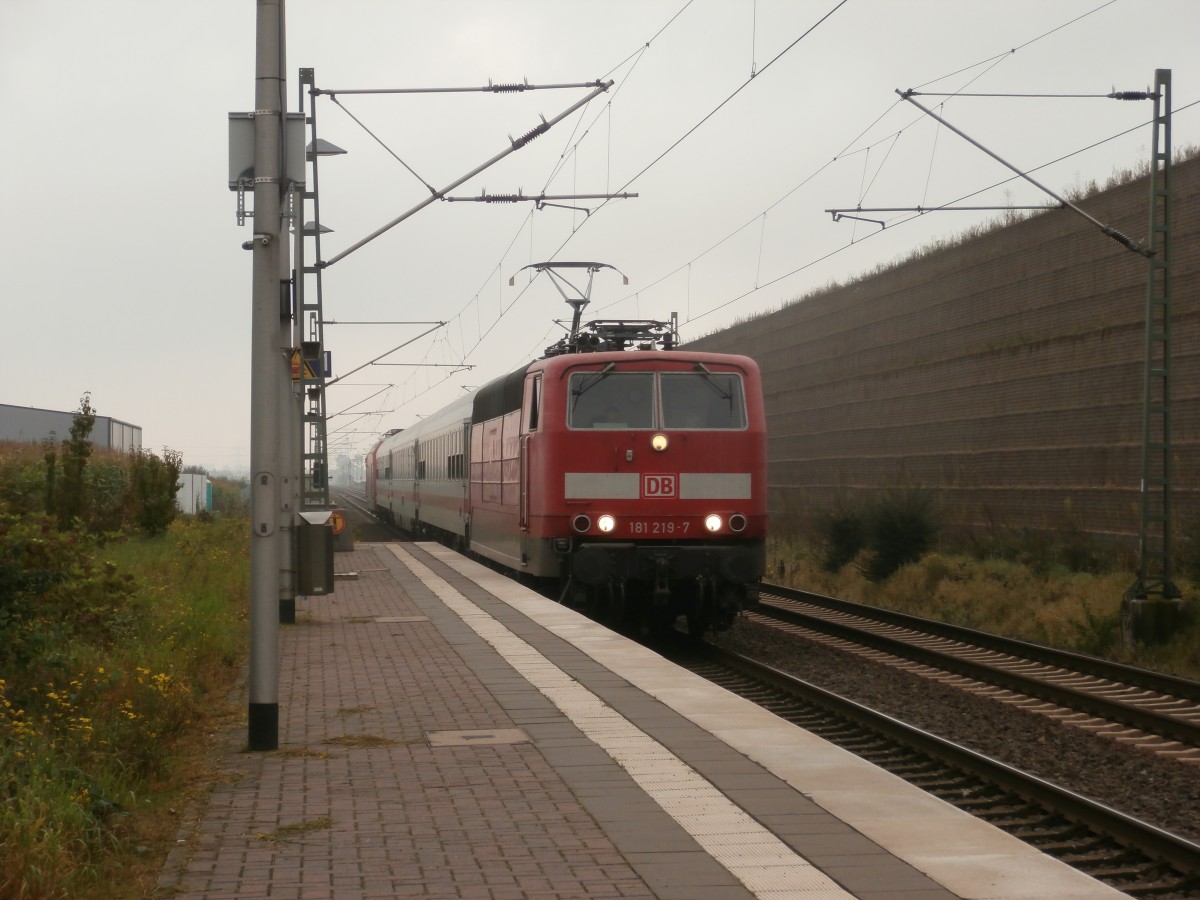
x=446, y=733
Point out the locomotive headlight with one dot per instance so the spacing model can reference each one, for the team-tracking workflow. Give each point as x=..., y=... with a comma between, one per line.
x=658, y=443
x=712, y=522
x=606, y=523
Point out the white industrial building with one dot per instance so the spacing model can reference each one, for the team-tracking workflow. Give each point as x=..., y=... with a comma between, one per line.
x=193, y=493
x=27, y=425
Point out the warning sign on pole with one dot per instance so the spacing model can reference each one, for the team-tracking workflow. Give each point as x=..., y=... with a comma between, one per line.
x=338, y=521
x=297, y=362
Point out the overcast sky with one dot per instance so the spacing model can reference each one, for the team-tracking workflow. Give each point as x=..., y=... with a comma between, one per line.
x=121, y=259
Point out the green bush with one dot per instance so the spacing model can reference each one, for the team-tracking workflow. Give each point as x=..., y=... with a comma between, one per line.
x=901, y=527
x=22, y=478
x=843, y=533
x=108, y=488
x=1187, y=558
x=890, y=531
x=152, y=485
x=52, y=594
x=108, y=492
x=113, y=655
x=1048, y=552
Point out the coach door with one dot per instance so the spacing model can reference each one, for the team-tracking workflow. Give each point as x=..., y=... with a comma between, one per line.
x=418, y=465
x=463, y=472
x=530, y=413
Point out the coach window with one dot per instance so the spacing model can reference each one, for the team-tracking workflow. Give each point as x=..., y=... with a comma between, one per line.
x=456, y=463
x=703, y=400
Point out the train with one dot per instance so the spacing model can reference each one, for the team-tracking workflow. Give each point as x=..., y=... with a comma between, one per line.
x=626, y=473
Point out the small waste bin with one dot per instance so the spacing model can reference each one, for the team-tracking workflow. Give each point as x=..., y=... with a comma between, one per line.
x=314, y=553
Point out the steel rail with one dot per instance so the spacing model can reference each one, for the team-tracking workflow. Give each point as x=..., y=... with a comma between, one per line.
x=1158, y=843
x=1079, y=662
x=1147, y=720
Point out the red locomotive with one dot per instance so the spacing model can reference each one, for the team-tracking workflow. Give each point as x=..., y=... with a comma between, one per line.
x=634, y=477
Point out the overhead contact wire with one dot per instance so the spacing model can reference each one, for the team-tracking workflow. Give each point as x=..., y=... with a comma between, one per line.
x=737, y=91
x=636, y=57
x=906, y=220
x=713, y=112
x=991, y=62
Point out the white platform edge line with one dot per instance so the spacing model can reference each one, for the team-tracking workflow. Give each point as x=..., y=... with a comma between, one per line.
x=707, y=815
x=971, y=858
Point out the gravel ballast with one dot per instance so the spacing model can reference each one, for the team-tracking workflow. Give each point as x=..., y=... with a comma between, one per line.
x=1138, y=782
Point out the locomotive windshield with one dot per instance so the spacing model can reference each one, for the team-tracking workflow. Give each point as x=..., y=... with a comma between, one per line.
x=611, y=400
x=677, y=400
x=702, y=400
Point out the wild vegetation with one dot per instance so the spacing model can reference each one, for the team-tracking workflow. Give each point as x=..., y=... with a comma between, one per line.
x=879, y=536
x=1063, y=589
x=120, y=632
x=86, y=488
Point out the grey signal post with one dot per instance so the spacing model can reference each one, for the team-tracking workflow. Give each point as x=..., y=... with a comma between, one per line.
x=1152, y=607
x=269, y=367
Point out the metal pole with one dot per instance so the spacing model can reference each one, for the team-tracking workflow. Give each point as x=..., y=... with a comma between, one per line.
x=1151, y=608
x=267, y=367
x=289, y=411
x=290, y=433
x=314, y=452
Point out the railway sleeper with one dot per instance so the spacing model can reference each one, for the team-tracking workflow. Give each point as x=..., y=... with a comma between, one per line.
x=1091, y=848
x=1013, y=822
x=982, y=802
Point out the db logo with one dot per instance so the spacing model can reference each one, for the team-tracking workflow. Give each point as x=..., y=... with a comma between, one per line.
x=660, y=486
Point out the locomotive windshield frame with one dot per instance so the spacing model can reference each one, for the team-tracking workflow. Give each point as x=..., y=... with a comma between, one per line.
x=645, y=400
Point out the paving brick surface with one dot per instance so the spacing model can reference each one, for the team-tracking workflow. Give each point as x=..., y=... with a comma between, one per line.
x=358, y=802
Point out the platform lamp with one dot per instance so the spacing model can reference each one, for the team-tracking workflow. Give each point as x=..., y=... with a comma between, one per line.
x=322, y=147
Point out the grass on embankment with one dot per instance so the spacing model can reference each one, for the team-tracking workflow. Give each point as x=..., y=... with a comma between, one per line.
x=1052, y=605
x=116, y=662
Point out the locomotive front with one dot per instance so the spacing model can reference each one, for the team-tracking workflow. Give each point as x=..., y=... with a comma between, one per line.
x=647, y=477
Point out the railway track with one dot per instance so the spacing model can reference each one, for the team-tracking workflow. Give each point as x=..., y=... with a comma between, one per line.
x=359, y=514
x=1158, y=712
x=353, y=498
x=1134, y=856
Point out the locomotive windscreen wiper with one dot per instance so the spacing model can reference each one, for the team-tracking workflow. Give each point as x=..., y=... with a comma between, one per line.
x=711, y=380
x=600, y=376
